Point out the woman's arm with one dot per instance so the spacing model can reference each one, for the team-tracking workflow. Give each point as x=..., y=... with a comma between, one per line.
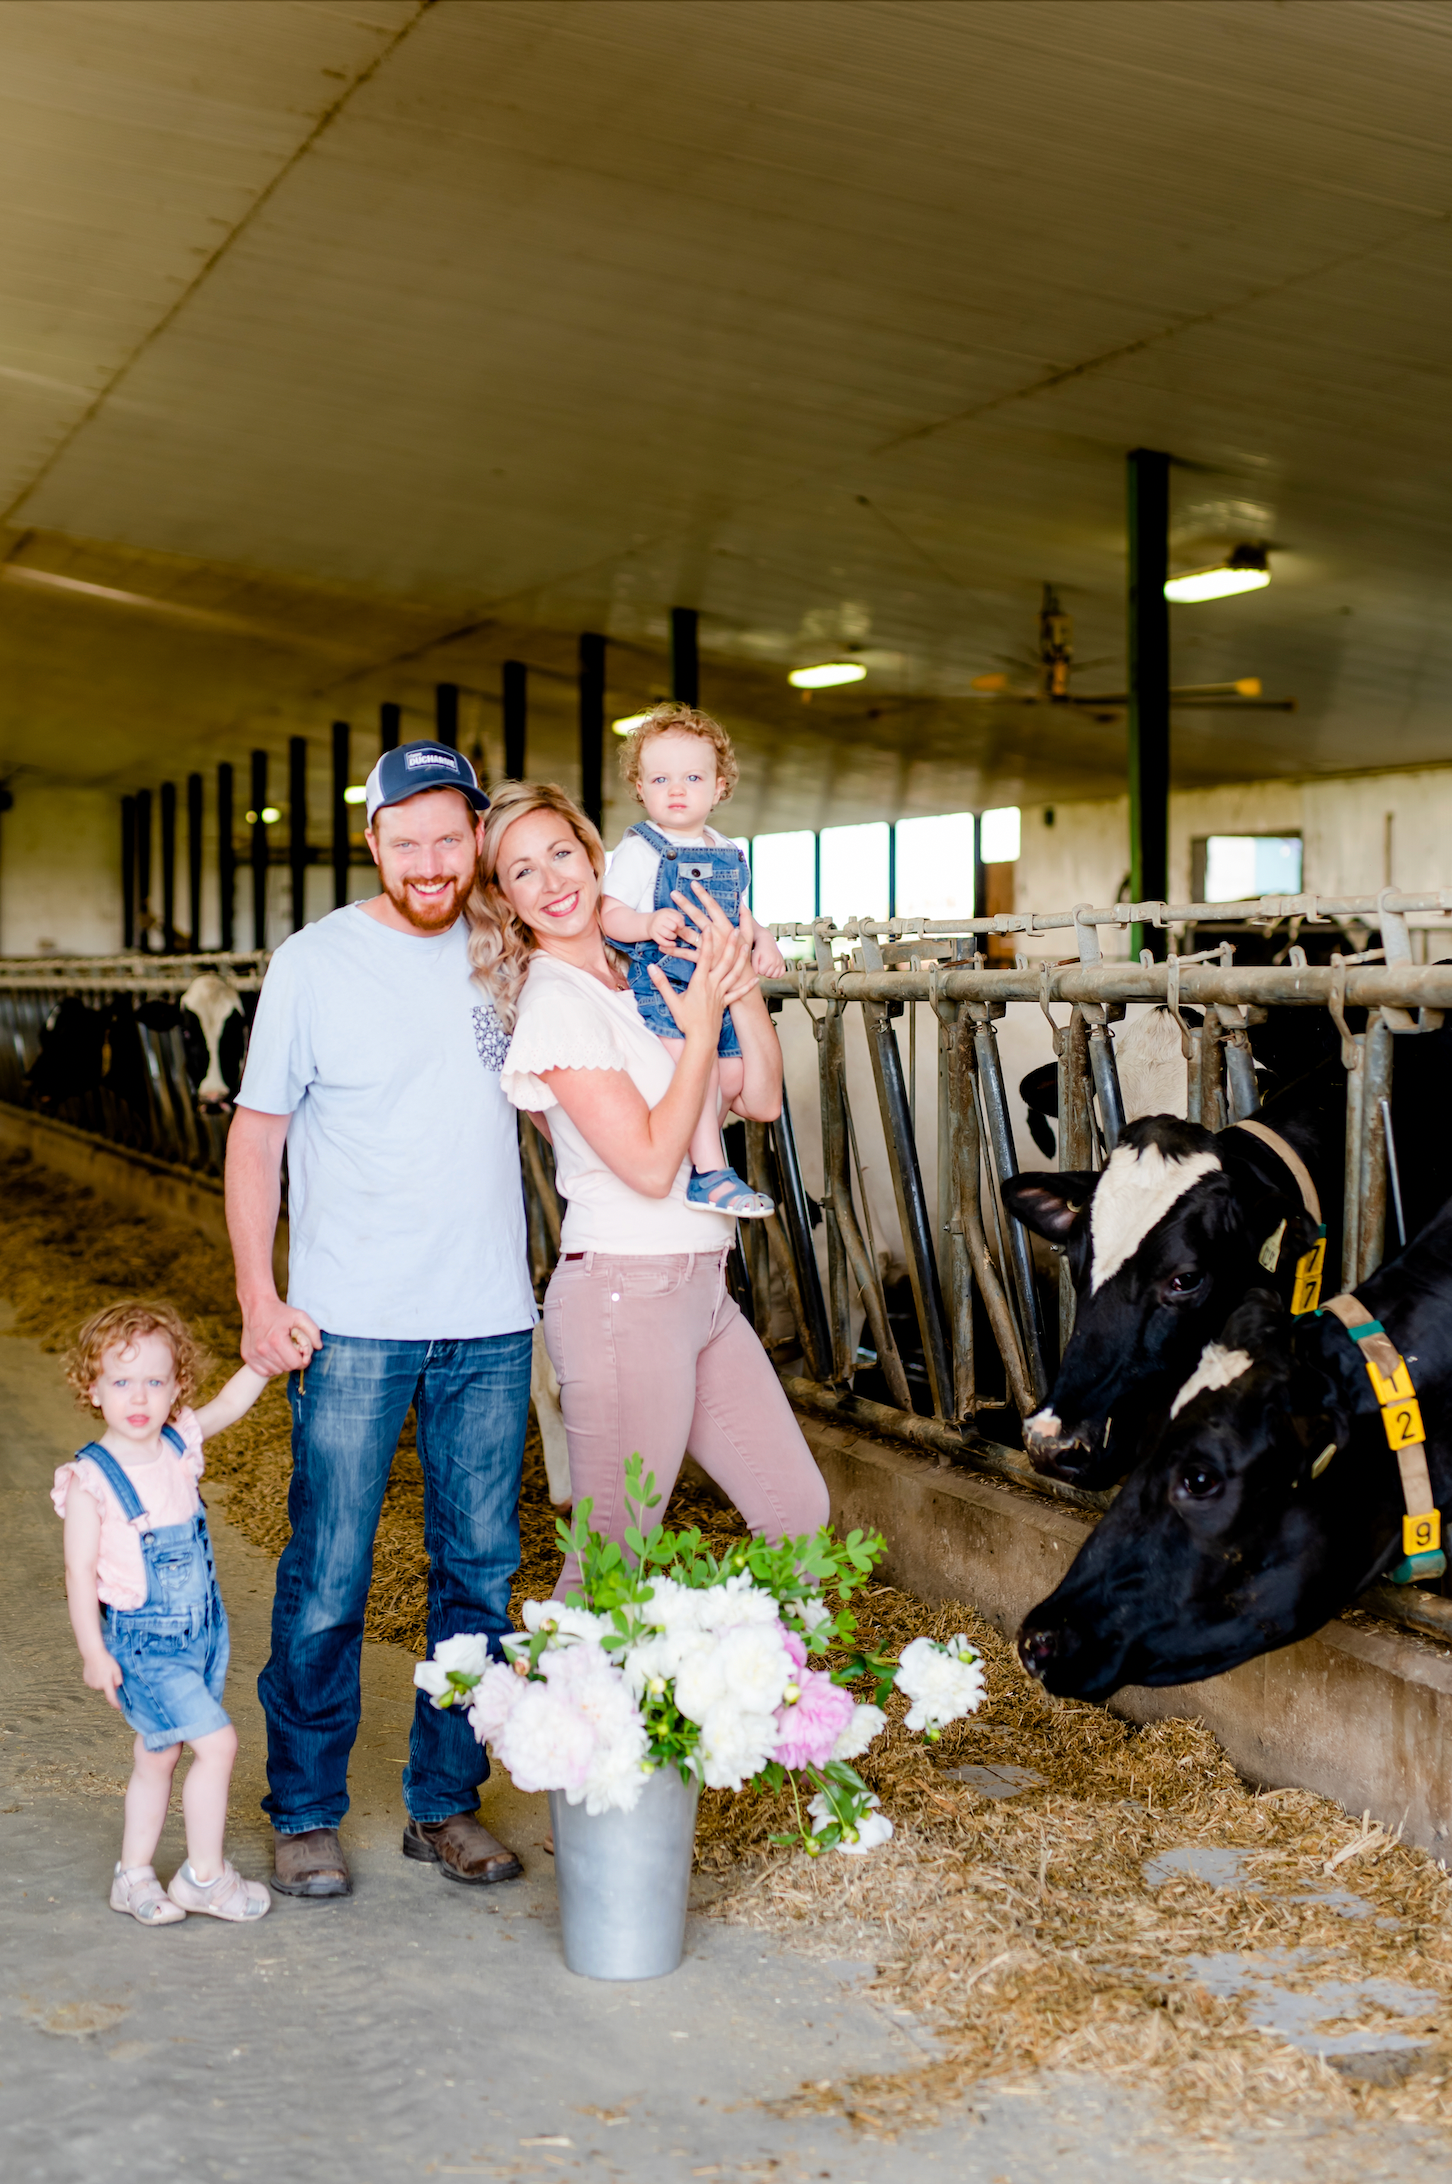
x=643, y=1145
x=759, y=1099
x=100, y=1669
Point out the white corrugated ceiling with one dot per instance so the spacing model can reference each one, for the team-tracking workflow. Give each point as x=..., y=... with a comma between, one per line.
x=375, y=343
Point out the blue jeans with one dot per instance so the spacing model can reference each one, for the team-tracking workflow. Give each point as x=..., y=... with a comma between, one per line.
x=471, y=1400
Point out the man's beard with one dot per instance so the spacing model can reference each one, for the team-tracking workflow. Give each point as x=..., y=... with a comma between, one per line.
x=442, y=911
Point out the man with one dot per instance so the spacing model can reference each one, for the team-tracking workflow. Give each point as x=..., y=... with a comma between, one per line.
x=376, y=1061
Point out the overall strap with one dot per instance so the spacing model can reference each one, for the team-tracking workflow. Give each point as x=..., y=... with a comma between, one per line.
x=125, y=1493
x=173, y=1440
x=654, y=837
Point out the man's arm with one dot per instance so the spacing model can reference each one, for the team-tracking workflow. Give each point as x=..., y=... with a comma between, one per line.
x=276, y=1337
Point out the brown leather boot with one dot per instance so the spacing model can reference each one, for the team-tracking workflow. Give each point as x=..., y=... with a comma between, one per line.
x=465, y=1850
x=310, y=1864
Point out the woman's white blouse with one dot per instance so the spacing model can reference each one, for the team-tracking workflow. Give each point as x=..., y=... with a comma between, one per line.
x=568, y=1020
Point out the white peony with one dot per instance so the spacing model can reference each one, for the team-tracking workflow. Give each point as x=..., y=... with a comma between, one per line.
x=873, y=1828
x=493, y=1700
x=861, y=1729
x=562, y=1621
x=942, y=1681
x=547, y=1744
x=735, y=1744
x=811, y=1614
x=735, y=1601
x=467, y=1655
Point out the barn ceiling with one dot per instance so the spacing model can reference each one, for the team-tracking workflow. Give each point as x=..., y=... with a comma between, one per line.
x=348, y=348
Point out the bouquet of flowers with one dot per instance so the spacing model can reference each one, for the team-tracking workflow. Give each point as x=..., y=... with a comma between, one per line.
x=671, y=1656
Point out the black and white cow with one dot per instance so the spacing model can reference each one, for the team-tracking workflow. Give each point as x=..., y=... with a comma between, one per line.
x=214, y=1030
x=1270, y=1501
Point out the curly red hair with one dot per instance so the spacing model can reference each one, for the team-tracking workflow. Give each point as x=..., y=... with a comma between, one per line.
x=121, y=1327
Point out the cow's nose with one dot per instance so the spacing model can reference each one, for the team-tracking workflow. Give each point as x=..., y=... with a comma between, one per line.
x=1037, y=1649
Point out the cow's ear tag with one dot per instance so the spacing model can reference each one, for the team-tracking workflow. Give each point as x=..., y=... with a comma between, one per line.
x=1306, y=1296
x=1323, y=1459
x=1270, y=1250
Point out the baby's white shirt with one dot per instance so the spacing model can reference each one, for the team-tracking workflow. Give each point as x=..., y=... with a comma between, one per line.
x=630, y=874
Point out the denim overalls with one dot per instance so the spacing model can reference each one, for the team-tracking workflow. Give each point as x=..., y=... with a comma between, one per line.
x=172, y=1652
x=721, y=870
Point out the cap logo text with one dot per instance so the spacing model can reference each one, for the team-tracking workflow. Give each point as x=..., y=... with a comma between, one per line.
x=430, y=758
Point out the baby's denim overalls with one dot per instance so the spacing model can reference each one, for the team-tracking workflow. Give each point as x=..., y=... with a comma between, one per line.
x=721, y=870
x=172, y=1652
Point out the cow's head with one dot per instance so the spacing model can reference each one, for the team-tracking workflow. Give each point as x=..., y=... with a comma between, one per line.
x=1268, y=1503
x=1162, y=1244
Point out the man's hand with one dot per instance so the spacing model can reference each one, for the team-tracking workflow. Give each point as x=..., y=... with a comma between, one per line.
x=277, y=1337
x=102, y=1672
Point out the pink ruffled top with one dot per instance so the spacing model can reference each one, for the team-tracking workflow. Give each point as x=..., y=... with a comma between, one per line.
x=168, y=1487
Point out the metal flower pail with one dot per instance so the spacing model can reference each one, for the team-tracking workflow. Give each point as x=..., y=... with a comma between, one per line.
x=623, y=1880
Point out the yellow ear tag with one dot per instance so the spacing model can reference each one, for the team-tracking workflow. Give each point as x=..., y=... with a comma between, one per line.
x=1323, y=1459
x=1403, y=1423
x=1398, y=1389
x=1422, y=1535
x=1270, y=1250
x=1306, y=1296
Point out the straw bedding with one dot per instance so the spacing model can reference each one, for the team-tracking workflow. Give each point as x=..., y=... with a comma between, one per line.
x=1022, y=1932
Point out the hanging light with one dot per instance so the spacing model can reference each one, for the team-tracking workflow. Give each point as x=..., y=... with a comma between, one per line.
x=827, y=676
x=267, y=815
x=357, y=794
x=1247, y=568
x=628, y=723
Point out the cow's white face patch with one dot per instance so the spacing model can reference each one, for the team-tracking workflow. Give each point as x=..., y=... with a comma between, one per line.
x=1216, y=1369
x=1043, y=1426
x=1138, y=1188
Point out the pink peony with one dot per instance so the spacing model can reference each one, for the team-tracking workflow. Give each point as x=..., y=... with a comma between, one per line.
x=807, y=1731
x=794, y=1645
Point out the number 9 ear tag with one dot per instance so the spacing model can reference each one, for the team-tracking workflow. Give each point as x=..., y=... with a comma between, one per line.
x=1422, y=1535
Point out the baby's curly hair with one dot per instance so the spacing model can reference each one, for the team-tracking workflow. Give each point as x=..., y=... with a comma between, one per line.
x=673, y=718
x=120, y=1327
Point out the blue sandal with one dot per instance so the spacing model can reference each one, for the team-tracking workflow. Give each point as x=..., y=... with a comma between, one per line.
x=740, y=1203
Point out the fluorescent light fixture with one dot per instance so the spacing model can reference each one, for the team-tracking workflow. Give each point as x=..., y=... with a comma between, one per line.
x=1246, y=569
x=357, y=794
x=628, y=723
x=827, y=676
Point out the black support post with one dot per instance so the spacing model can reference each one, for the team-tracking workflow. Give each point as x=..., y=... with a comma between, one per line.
x=168, y=867
x=389, y=717
x=1149, y=687
x=128, y=872
x=685, y=656
x=143, y=870
x=297, y=827
x=226, y=862
x=516, y=718
x=259, y=850
x=194, y=858
x=341, y=844
x=446, y=713
x=592, y=726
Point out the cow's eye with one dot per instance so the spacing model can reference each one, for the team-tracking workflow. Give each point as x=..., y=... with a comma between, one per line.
x=1182, y=1286
x=1197, y=1482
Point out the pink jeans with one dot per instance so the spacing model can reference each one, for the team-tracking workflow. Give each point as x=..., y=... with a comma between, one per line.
x=653, y=1356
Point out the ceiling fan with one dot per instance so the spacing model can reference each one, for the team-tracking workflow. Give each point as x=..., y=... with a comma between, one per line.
x=1054, y=664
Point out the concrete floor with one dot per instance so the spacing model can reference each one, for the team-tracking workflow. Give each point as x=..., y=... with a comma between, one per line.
x=420, y=2029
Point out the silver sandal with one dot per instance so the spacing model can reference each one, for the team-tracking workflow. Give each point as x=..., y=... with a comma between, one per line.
x=137, y=1891
x=227, y=1897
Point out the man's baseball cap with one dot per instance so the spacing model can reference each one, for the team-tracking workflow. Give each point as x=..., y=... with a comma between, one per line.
x=415, y=766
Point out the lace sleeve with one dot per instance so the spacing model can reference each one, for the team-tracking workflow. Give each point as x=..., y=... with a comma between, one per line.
x=557, y=1028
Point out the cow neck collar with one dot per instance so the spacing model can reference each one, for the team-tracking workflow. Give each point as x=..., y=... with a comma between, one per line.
x=1290, y=1158
x=1401, y=1416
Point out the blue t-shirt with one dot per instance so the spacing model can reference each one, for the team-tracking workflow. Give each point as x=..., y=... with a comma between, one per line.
x=405, y=1214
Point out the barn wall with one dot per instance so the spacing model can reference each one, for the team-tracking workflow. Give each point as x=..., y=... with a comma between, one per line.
x=60, y=871
x=1360, y=832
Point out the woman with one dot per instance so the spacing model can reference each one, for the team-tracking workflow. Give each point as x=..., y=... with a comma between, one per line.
x=651, y=1352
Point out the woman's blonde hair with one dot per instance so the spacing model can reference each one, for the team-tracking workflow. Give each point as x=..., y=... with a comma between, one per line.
x=121, y=1327
x=674, y=718
x=500, y=945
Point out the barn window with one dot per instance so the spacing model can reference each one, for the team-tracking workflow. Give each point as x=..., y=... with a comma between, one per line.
x=855, y=871
x=784, y=883
x=935, y=866
x=1239, y=867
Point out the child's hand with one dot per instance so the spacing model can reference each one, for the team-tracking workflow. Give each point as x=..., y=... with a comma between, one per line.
x=666, y=928
x=767, y=959
x=102, y=1672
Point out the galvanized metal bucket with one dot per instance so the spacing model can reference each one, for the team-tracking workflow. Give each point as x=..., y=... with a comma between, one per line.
x=623, y=1879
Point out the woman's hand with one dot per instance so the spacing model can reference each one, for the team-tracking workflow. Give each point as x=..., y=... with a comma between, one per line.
x=722, y=973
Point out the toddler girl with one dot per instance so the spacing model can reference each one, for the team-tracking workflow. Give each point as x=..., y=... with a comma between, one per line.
x=681, y=766
x=143, y=1596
